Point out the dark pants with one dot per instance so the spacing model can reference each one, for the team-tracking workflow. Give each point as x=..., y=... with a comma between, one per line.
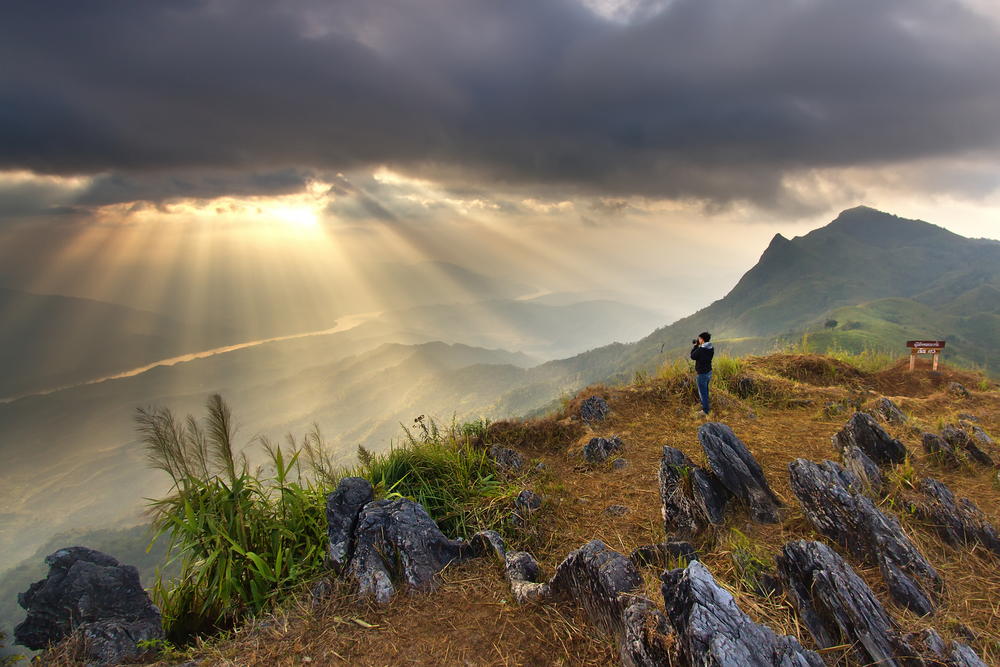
x=703, y=380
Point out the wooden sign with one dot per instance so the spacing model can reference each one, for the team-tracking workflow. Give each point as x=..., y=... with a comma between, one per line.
x=932, y=347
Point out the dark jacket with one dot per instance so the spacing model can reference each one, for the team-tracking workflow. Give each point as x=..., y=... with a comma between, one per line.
x=702, y=355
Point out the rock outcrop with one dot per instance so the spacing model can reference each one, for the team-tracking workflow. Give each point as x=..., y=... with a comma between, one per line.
x=342, y=509
x=863, y=432
x=598, y=450
x=837, y=606
x=834, y=502
x=386, y=539
x=958, y=523
x=712, y=630
x=858, y=462
x=960, y=440
x=884, y=409
x=89, y=593
x=938, y=448
x=594, y=409
x=738, y=471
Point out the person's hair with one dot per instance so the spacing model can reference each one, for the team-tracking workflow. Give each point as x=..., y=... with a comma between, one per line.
x=705, y=336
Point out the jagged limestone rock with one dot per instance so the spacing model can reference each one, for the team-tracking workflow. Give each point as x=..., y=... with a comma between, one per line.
x=738, y=471
x=598, y=450
x=837, y=606
x=858, y=462
x=834, y=502
x=596, y=577
x=863, y=432
x=958, y=523
x=938, y=448
x=398, y=537
x=681, y=514
x=343, y=506
x=594, y=409
x=648, y=637
x=884, y=409
x=957, y=389
x=955, y=654
x=507, y=459
x=90, y=593
x=959, y=439
x=712, y=630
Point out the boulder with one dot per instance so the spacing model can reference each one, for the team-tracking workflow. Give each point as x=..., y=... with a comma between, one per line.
x=837, y=606
x=598, y=450
x=90, y=593
x=958, y=523
x=594, y=409
x=959, y=439
x=938, y=448
x=738, y=471
x=342, y=509
x=864, y=433
x=398, y=538
x=834, y=502
x=528, y=501
x=711, y=630
x=663, y=555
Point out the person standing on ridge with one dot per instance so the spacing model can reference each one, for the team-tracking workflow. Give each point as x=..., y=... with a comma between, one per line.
x=702, y=354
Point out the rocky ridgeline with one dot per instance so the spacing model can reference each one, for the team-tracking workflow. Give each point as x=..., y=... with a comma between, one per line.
x=700, y=623
x=376, y=544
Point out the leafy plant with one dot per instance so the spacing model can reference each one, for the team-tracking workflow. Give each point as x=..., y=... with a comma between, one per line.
x=242, y=540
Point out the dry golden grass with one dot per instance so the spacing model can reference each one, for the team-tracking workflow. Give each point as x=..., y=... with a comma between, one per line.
x=471, y=620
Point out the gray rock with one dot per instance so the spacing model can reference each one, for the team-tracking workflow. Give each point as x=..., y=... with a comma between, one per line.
x=837, y=606
x=980, y=436
x=616, y=510
x=957, y=389
x=959, y=439
x=662, y=555
x=398, y=537
x=738, y=471
x=938, y=448
x=596, y=578
x=594, y=409
x=712, y=631
x=522, y=574
x=485, y=544
x=647, y=637
x=958, y=523
x=619, y=464
x=834, y=502
x=342, y=509
x=858, y=462
x=598, y=450
x=508, y=460
x=886, y=410
x=746, y=387
x=864, y=433
x=528, y=501
x=681, y=514
x=92, y=594
x=832, y=409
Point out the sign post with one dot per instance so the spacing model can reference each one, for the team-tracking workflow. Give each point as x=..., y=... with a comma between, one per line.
x=932, y=347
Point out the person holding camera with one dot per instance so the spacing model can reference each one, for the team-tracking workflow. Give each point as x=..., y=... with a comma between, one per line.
x=702, y=354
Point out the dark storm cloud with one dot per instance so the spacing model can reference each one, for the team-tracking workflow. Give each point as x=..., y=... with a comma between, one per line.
x=715, y=99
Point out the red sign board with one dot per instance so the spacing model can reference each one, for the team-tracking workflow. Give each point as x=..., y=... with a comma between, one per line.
x=926, y=344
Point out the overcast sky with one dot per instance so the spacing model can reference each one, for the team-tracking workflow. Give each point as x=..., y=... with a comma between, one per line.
x=555, y=142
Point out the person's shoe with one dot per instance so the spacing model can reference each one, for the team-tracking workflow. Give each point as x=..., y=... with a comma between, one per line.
x=701, y=413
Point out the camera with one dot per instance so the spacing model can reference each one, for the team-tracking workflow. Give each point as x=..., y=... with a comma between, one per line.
x=695, y=342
